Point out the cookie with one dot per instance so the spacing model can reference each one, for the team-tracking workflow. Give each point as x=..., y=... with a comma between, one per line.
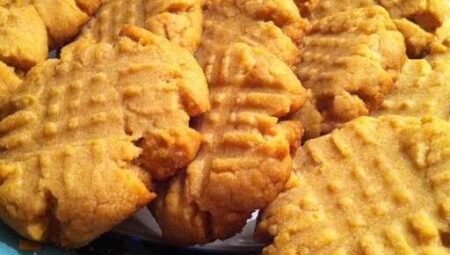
x=374, y=186
x=83, y=137
x=29, y=28
x=416, y=20
x=246, y=156
x=428, y=14
x=180, y=21
x=9, y=81
x=63, y=18
x=338, y=55
x=274, y=24
x=423, y=89
x=23, y=38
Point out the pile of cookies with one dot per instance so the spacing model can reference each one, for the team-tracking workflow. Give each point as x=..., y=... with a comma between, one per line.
x=330, y=116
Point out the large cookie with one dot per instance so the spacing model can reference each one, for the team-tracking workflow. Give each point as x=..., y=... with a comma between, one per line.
x=180, y=21
x=76, y=138
x=349, y=62
x=246, y=157
x=375, y=186
x=273, y=24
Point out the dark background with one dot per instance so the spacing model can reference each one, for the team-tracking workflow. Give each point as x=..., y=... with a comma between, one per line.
x=115, y=244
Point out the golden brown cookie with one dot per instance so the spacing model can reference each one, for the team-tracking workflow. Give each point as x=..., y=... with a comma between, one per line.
x=417, y=20
x=23, y=38
x=374, y=186
x=76, y=138
x=180, y=21
x=9, y=81
x=246, y=156
x=349, y=62
x=428, y=14
x=29, y=28
x=62, y=18
x=273, y=24
x=422, y=89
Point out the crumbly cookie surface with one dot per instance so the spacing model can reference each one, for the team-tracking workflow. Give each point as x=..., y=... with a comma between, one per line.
x=349, y=62
x=80, y=133
x=29, y=28
x=275, y=25
x=417, y=20
x=180, y=21
x=246, y=156
x=428, y=14
x=246, y=52
x=374, y=186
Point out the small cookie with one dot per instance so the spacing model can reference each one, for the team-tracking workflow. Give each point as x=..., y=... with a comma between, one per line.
x=417, y=20
x=29, y=28
x=23, y=38
x=246, y=156
x=62, y=18
x=374, y=186
x=349, y=62
x=428, y=14
x=273, y=24
x=77, y=137
x=180, y=21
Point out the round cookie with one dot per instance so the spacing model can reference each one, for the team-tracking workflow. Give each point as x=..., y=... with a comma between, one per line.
x=246, y=52
x=246, y=156
x=374, y=186
x=77, y=137
x=348, y=67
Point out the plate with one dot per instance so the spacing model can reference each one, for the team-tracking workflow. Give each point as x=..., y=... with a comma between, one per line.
x=9, y=243
x=143, y=226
